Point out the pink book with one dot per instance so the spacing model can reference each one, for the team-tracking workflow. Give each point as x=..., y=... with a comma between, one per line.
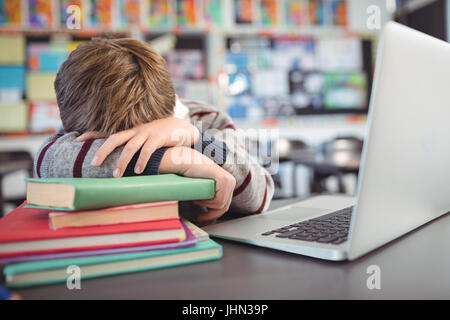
x=191, y=239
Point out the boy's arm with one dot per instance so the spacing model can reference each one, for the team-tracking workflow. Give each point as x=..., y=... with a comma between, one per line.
x=254, y=185
x=188, y=162
x=63, y=156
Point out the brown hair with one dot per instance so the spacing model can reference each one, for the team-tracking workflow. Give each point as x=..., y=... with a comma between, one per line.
x=109, y=85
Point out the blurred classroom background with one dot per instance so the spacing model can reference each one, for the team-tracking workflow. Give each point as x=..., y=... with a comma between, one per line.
x=302, y=67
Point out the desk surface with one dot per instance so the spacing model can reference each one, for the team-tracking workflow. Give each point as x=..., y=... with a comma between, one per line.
x=415, y=266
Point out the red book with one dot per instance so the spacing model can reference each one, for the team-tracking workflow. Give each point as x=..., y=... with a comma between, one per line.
x=27, y=231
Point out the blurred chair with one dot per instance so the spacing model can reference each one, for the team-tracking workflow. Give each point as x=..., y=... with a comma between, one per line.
x=285, y=179
x=288, y=149
x=273, y=155
x=339, y=156
x=10, y=162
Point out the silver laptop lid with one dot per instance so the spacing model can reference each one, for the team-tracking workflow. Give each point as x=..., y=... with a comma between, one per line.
x=404, y=180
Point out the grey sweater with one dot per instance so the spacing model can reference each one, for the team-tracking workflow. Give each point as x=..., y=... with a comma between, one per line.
x=62, y=156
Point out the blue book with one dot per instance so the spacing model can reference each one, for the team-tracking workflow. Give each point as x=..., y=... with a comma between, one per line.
x=54, y=271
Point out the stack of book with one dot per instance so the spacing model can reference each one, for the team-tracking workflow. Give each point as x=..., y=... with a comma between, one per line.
x=103, y=226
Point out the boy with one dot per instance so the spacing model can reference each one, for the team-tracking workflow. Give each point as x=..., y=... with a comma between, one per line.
x=119, y=96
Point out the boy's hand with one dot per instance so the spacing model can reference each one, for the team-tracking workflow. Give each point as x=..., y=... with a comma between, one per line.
x=193, y=164
x=168, y=132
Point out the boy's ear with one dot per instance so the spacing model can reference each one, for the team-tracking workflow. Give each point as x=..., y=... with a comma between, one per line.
x=176, y=97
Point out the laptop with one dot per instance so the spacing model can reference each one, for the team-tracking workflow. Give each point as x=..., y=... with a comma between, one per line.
x=404, y=179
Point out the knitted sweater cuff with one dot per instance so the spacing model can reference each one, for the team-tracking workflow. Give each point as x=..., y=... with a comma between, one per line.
x=152, y=167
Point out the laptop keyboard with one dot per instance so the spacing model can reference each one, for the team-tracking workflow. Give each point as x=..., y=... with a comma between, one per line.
x=331, y=228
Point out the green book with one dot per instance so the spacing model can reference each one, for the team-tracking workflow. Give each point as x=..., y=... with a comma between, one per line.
x=69, y=194
x=54, y=271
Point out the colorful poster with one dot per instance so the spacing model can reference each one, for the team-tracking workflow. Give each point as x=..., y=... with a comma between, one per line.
x=129, y=12
x=212, y=12
x=186, y=64
x=295, y=13
x=316, y=12
x=45, y=56
x=339, y=12
x=10, y=13
x=14, y=117
x=40, y=13
x=185, y=10
x=72, y=45
x=339, y=54
x=12, y=49
x=243, y=11
x=159, y=13
x=100, y=13
x=269, y=12
x=39, y=86
x=294, y=53
x=12, y=77
x=44, y=117
x=345, y=90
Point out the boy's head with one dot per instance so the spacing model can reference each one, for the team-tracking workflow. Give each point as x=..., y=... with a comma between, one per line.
x=109, y=85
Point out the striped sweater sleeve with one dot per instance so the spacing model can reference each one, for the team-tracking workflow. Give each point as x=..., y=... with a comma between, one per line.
x=62, y=156
x=254, y=185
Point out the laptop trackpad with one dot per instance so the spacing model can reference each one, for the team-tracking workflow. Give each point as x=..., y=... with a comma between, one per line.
x=296, y=213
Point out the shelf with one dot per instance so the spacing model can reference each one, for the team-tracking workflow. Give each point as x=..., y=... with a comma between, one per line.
x=316, y=31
